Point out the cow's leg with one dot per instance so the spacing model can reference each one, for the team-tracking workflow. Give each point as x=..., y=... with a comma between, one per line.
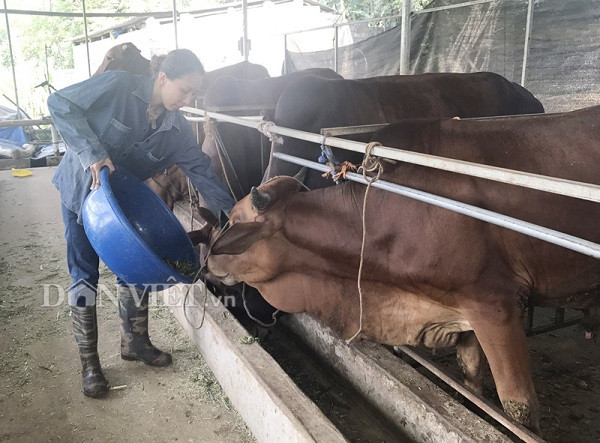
x=501, y=333
x=470, y=358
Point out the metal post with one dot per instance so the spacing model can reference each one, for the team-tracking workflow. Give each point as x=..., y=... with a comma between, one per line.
x=285, y=54
x=527, y=38
x=175, y=23
x=87, y=41
x=54, y=133
x=47, y=68
x=245, y=48
x=335, y=49
x=12, y=63
x=405, y=39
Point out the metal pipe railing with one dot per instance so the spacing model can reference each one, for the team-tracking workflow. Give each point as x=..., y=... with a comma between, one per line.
x=558, y=186
x=519, y=430
x=571, y=188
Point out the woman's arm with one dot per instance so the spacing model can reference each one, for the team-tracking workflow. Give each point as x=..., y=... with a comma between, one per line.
x=196, y=165
x=68, y=109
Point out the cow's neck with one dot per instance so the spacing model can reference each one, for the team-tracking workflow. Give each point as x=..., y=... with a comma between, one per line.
x=326, y=224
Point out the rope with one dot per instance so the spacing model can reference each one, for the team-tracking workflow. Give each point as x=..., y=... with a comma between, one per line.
x=211, y=129
x=369, y=164
x=264, y=128
x=264, y=325
x=187, y=292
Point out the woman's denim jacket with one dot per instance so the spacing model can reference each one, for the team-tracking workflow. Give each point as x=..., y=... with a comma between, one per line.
x=105, y=116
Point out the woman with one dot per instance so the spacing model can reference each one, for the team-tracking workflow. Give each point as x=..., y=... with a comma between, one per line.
x=117, y=118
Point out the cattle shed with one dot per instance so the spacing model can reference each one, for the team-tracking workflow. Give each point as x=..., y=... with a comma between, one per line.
x=296, y=381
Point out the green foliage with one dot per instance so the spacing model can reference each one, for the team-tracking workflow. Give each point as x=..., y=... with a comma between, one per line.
x=363, y=9
x=4, y=50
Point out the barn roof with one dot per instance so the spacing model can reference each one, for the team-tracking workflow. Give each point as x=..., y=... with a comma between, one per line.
x=167, y=17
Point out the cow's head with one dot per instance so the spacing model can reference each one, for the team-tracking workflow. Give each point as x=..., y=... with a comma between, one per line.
x=125, y=57
x=252, y=247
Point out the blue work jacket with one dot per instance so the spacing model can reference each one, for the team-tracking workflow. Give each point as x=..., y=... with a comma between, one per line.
x=105, y=116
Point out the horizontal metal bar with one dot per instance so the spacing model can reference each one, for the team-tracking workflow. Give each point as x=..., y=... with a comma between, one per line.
x=459, y=5
x=519, y=430
x=553, y=327
x=221, y=117
x=89, y=14
x=254, y=118
x=11, y=123
x=348, y=130
x=571, y=188
x=550, y=235
x=389, y=17
x=241, y=108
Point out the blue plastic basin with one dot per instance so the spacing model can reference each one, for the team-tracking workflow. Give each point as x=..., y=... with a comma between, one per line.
x=133, y=231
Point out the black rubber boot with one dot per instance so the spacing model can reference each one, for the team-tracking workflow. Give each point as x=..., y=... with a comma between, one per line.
x=135, y=342
x=94, y=383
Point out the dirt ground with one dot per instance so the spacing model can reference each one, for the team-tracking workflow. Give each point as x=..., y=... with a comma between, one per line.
x=40, y=382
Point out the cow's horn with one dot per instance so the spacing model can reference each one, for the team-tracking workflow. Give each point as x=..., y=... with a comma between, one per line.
x=259, y=199
x=300, y=176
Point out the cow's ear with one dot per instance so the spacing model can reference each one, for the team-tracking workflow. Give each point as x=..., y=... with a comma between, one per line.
x=201, y=235
x=208, y=215
x=237, y=239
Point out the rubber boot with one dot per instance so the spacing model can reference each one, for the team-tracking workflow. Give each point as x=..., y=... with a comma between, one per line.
x=135, y=342
x=94, y=383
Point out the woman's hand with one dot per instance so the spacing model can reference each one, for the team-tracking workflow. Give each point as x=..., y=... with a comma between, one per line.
x=95, y=168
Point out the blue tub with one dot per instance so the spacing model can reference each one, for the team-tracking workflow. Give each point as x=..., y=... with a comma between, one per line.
x=133, y=231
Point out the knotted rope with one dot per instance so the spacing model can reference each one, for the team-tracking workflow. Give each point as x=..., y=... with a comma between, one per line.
x=264, y=127
x=369, y=164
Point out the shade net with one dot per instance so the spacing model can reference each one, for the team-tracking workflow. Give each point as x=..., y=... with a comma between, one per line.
x=562, y=66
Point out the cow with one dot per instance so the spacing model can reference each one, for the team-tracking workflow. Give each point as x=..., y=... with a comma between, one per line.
x=245, y=70
x=431, y=276
x=125, y=57
x=313, y=103
x=246, y=155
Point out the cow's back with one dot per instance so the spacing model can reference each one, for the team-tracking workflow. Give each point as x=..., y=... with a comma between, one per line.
x=313, y=104
x=479, y=94
x=263, y=92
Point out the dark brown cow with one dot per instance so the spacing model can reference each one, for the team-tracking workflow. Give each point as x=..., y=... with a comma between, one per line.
x=311, y=104
x=125, y=57
x=245, y=70
x=246, y=151
x=431, y=275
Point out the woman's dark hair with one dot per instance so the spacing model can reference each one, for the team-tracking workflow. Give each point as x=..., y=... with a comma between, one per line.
x=176, y=64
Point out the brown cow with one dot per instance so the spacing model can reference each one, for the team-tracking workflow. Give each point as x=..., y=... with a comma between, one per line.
x=313, y=103
x=125, y=57
x=431, y=275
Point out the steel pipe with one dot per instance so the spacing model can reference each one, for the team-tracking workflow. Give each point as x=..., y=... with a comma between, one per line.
x=519, y=430
x=584, y=191
x=527, y=38
x=550, y=235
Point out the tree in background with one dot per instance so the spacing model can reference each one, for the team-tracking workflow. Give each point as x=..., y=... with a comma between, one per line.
x=363, y=9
